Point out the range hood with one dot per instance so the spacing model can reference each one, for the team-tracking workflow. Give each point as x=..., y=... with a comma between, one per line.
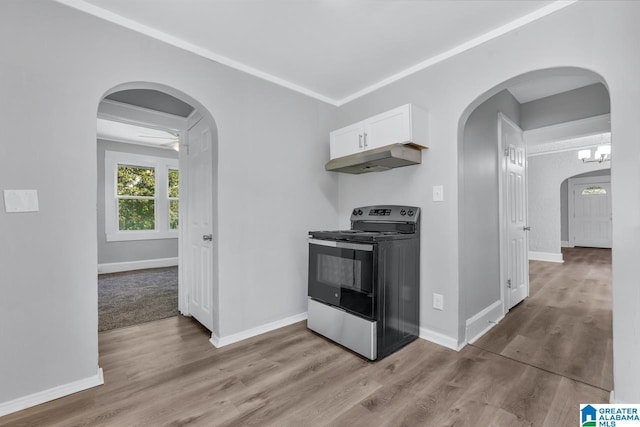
x=378, y=159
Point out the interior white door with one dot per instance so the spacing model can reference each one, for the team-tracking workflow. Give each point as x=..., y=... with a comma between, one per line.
x=198, y=248
x=592, y=214
x=516, y=251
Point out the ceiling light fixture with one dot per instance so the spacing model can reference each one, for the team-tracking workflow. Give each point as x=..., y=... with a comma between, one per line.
x=602, y=154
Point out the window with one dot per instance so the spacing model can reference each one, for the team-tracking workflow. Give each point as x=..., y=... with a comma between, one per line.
x=136, y=198
x=141, y=197
x=174, y=189
x=593, y=190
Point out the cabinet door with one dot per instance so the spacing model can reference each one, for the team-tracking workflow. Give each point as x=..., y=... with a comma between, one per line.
x=347, y=140
x=391, y=127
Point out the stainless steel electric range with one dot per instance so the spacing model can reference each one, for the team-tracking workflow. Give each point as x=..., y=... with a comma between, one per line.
x=364, y=283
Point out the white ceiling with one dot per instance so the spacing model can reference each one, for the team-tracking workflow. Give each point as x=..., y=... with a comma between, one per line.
x=333, y=50
x=132, y=134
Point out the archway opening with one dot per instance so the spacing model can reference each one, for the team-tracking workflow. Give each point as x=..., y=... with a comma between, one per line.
x=157, y=204
x=515, y=141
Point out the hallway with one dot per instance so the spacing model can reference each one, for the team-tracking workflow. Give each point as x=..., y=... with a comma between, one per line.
x=564, y=327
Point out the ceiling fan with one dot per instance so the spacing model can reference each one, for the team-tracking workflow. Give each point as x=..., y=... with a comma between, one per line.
x=136, y=134
x=172, y=139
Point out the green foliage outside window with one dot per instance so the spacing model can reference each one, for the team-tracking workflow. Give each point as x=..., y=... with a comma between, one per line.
x=136, y=214
x=136, y=181
x=173, y=214
x=594, y=190
x=174, y=181
x=173, y=190
x=136, y=192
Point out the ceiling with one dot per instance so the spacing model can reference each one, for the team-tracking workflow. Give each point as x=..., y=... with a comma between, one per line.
x=132, y=134
x=153, y=100
x=333, y=50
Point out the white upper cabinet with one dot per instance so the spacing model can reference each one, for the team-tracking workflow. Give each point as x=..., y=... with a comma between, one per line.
x=347, y=140
x=402, y=125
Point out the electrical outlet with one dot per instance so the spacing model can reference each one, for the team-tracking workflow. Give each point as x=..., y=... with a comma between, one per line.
x=438, y=301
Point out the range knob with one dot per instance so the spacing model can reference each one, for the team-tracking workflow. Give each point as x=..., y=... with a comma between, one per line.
x=355, y=212
x=359, y=211
x=403, y=212
x=410, y=212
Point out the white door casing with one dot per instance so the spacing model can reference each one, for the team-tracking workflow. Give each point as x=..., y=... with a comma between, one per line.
x=513, y=200
x=197, y=258
x=590, y=212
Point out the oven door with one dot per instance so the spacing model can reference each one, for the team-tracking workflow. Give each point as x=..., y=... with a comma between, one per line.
x=341, y=274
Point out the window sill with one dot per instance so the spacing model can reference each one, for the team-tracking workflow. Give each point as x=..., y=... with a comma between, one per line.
x=124, y=236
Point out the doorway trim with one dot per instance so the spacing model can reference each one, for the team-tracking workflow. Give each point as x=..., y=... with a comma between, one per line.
x=151, y=118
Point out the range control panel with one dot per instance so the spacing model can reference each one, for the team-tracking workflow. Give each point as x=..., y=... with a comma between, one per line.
x=386, y=213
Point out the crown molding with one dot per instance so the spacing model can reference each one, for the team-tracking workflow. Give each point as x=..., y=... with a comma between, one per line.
x=513, y=25
x=136, y=26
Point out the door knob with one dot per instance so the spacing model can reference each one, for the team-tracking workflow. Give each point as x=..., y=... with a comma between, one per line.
x=208, y=237
x=526, y=228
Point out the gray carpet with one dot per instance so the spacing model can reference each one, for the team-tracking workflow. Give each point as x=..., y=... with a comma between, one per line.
x=134, y=297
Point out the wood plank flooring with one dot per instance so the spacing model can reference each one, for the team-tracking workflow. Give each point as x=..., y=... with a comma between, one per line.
x=165, y=373
x=565, y=325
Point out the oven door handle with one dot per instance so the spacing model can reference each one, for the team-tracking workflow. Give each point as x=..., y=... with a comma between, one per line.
x=342, y=245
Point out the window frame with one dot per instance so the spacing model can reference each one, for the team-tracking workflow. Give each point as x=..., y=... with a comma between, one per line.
x=161, y=166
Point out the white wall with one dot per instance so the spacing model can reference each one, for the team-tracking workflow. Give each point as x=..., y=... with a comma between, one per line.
x=479, y=209
x=546, y=173
x=579, y=36
x=132, y=250
x=588, y=101
x=55, y=65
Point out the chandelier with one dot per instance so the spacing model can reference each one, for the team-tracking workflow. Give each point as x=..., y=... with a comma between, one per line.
x=602, y=154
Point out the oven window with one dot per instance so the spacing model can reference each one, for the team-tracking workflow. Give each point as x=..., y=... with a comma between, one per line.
x=341, y=272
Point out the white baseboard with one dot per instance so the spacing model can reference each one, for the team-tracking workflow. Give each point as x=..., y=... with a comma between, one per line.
x=51, y=394
x=481, y=323
x=440, y=339
x=546, y=256
x=249, y=333
x=612, y=399
x=565, y=244
x=115, y=267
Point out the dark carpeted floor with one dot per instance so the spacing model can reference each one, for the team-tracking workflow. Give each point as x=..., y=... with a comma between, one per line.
x=134, y=297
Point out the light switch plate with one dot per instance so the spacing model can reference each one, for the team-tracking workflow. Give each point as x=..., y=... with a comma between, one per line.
x=21, y=201
x=438, y=193
x=438, y=301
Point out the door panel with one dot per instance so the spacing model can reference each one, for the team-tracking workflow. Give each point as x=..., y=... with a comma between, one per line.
x=199, y=263
x=592, y=214
x=515, y=202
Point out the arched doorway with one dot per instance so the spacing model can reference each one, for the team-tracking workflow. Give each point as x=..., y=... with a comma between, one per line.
x=190, y=219
x=545, y=109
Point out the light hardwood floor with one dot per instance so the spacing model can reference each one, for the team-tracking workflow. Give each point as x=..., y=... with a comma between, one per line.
x=166, y=373
x=565, y=324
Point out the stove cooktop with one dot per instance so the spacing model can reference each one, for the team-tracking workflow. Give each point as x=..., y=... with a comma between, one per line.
x=376, y=223
x=359, y=235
